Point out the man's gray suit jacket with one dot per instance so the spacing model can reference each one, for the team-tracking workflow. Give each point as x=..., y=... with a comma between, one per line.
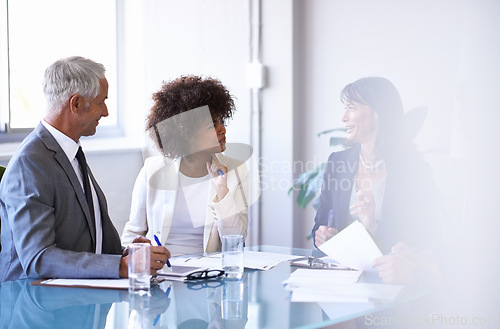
x=47, y=230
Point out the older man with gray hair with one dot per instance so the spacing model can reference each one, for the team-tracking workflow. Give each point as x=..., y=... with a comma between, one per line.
x=55, y=220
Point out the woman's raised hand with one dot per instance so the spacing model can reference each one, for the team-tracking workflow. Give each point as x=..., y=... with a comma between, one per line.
x=218, y=174
x=365, y=209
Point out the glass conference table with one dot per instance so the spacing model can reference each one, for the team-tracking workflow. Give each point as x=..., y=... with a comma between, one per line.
x=259, y=300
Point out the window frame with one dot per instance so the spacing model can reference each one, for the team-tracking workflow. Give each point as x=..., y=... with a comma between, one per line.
x=16, y=135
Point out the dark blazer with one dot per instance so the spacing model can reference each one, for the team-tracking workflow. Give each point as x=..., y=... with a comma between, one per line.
x=47, y=230
x=409, y=210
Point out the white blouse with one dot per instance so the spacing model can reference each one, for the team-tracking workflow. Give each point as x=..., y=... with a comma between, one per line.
x=186, y=233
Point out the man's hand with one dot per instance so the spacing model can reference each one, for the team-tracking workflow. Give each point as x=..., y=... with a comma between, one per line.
x=123, y=271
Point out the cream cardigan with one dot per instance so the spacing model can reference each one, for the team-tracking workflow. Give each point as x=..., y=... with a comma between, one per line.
x=155, y=193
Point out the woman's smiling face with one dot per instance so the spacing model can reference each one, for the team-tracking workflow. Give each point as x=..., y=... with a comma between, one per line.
x=361, y=122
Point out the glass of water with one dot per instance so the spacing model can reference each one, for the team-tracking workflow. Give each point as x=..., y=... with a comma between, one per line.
x=139, y=265
x=232, y=256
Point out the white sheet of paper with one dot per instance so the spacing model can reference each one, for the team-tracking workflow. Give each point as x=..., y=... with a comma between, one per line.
x=319, y=297
x=353, y=247
x=264, y=260
x=317, y=277
x=337, y=310
x=179, y=271
x=252, y=259
x=211, y=261
x=91, y=283
x=354, y=293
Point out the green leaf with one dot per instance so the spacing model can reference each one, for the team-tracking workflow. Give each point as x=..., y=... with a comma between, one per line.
x=309, y=182
x=316, y=203
x=303, y=179
x=329, y=131
x=310, y=185
x=334, y=141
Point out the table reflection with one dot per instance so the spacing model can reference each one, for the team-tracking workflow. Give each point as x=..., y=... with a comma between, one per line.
x=258, y=300
x=27, y=306
x=204, y=304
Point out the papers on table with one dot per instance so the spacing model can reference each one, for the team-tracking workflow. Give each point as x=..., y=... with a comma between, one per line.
x=346, y=293
x=352, y=247
x=315, y=285
x=252, y=259
x=264, y=260
x=85, y=283
x=320, y=277
x=180, y=271
x=177, y=273
x=212, y=261
x=337, y=310
x=182, y=265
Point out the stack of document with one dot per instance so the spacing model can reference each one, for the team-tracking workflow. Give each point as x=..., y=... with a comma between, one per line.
x=251, y=259
x=318, y=285
x=352, y=248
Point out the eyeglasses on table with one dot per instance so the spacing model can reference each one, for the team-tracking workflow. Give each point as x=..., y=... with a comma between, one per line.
x=203, y=275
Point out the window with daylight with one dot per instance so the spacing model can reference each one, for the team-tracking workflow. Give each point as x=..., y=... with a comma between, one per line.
x=33, y=35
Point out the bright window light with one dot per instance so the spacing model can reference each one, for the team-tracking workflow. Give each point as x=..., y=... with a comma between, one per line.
x=41, y=32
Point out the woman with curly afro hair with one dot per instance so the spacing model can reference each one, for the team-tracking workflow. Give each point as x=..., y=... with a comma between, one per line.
x=191, y=194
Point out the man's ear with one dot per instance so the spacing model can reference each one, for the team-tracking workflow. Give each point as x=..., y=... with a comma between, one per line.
x=76, y=103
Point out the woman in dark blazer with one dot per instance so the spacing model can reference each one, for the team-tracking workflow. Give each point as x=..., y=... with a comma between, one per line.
x=380, y=179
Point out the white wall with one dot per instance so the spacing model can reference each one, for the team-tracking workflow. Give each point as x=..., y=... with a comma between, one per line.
x=208, y=38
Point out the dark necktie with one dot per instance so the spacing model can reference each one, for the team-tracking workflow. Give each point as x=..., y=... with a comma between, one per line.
x=86, y=183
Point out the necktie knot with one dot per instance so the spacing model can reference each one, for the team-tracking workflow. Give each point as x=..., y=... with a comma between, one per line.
x=81, y=159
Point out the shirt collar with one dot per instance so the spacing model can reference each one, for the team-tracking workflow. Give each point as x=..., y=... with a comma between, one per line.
x=69, y=146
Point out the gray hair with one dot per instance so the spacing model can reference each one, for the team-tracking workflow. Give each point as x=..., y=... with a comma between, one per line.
x=71, y=76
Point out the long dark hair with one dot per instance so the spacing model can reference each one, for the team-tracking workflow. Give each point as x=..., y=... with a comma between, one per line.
x=392, y=142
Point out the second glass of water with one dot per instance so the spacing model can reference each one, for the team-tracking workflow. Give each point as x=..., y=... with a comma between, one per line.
x=232, y=256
